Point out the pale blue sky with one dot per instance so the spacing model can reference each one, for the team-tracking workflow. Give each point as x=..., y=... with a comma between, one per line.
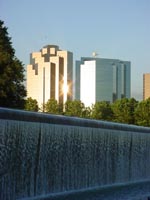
x=113, y=28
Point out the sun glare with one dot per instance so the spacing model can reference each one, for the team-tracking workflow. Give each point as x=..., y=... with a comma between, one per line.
x=65, y=89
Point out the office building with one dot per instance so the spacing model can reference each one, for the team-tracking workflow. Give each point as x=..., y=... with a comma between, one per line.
x=50, y=74
x=146, y=86
x=100, y=79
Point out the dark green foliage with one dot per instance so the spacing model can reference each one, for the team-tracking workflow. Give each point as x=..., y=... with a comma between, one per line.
x=74, y=108
x=124, y=109
x=31, y=104
x=53, y=107
x=102, y=110
x=12, y=89
x=86, y=112
x=142, y=113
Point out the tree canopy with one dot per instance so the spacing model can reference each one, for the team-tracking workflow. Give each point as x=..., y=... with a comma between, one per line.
x=102, y=110
x=12, y=89
x=123, y=110
x=31, y=104
x=142, y=113
x=74, y=108
x=53, y=107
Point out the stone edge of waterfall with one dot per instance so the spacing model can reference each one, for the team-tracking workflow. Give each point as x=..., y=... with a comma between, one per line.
x=22, y=115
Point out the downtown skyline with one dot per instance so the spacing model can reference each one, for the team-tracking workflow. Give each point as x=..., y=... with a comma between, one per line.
x=111, y=28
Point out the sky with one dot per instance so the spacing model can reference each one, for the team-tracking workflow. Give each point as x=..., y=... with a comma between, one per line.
x=118, y=29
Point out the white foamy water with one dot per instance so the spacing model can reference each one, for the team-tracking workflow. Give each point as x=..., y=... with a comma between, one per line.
x=42, y=158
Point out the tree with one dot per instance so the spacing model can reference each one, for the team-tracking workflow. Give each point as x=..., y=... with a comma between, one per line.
x=31, y=104
x=124, y=110
x=102, y=110
x=74, y=108
x=12, y=89
x=142, y=113
x=53, y=107
x=86, y=112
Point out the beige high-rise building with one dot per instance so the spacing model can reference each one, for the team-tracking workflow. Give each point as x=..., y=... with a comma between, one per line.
x=50, y=75
x=146, y=86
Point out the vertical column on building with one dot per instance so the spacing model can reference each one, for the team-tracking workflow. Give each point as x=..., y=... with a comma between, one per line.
x=56, y=61
x=69, y=76
x=115, y=82
x=52, y=81
x=43, y=88
x=123, y=81
x=63, y=59
x=61, y=80
x=144, y=87
x=77, y=80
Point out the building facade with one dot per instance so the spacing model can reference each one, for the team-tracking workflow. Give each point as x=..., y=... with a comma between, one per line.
x=100, y=79
x=50, y=75
x=146, y=86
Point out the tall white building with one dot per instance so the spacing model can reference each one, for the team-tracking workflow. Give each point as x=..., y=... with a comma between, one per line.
x=101, y=79
x=50, y=75
x=88, y=82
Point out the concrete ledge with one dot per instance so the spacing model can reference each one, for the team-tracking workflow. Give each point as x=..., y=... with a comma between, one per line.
x=21, y=115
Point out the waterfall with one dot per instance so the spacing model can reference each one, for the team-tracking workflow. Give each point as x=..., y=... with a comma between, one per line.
x=44, y=154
